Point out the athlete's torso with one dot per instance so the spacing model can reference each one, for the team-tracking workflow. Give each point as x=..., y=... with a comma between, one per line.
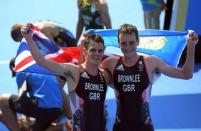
x=90, y=15
x=88, y=102
x=65, y=38
x=129, y=83
x=149, y=5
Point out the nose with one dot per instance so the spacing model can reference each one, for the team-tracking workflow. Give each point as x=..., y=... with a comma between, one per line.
x=98, y=51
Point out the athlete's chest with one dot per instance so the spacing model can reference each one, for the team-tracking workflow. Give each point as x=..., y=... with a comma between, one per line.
x=130, y=79
x=91, y=88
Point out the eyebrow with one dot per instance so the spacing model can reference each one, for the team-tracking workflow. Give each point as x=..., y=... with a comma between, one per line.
x=127, y=41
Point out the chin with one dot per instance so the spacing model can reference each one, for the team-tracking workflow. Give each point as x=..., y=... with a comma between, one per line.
x=97, y=62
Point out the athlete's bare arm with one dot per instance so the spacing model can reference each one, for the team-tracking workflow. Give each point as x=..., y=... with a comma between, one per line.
x=109, y=64
x=186, y=72
x=103, y=9
x=67, y=70
x=80, y=23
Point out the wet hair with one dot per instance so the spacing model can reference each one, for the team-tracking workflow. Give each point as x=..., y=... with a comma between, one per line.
x=94, y=37
x=128, y=29
x=11, y=66
x=16, y=32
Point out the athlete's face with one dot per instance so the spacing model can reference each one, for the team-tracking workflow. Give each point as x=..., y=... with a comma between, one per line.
x=95, y=52
x=128, y=43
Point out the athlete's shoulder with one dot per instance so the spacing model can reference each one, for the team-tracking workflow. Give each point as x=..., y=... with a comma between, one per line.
x=149, y=57
x=112, y=58
x=110, y=62
x=153, y=61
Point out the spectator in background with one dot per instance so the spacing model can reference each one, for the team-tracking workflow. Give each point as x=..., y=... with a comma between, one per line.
x=93, y=14
x=62, y=36
x=152, y=10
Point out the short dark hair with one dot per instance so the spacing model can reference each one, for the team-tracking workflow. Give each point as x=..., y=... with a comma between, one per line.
x=16, y=32
x=95, y=38
x=128, y=29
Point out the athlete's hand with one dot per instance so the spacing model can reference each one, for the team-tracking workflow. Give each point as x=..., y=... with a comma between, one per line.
x=82, y=41
x=27, y=30
x=192, y=39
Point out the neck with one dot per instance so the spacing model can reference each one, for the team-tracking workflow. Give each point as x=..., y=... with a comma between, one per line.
x=90, y=68
x=130, y=60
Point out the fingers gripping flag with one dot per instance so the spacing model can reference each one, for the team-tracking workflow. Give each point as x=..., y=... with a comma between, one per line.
x=25, y=62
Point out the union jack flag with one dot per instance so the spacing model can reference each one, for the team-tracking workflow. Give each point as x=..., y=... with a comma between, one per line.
x=25, y=63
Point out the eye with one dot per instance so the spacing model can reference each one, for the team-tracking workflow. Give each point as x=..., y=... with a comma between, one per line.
x=123, y=43
x=100, y=51
x=92, y=50
x=131, y=43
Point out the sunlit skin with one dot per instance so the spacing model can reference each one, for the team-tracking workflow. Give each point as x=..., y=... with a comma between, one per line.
x=94, y=53
x=128, y=44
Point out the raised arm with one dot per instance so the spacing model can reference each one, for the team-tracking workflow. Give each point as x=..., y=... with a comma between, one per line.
x=186, y=72
x=58, y=69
